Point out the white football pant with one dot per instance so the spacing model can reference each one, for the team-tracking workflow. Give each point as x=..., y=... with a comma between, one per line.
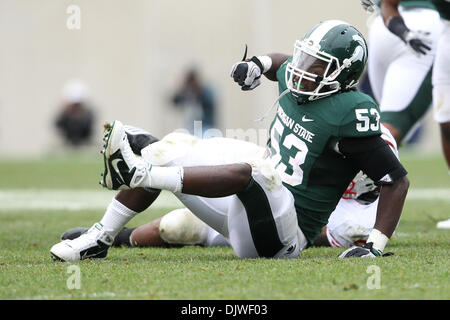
x=260, y=221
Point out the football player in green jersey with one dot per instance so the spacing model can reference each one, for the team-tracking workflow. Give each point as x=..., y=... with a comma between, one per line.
x=324, y=130
x=323, y=134
x=349, y=224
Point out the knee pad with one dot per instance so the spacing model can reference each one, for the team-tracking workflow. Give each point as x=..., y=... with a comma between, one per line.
x=181, y=226
x=265, y=174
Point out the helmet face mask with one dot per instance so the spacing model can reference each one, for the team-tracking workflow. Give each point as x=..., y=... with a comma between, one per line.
x=311, y=71
x=329, y=59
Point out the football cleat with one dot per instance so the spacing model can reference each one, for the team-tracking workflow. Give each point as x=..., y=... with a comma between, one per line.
x=122, y=238
x=123, y=169
x=443, y=224
x=138, y=138
x=93, y=244
x=73, y=233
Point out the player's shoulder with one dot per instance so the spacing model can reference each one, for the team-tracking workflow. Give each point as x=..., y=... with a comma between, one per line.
x=353, y=99
x=359, y=114
x=340, y=108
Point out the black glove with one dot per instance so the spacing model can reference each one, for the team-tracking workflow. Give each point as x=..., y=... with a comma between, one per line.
x=366, y=251
x=418, y=41
x=247, y=73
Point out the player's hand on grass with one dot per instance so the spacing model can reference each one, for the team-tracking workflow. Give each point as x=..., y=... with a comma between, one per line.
x=247, y=74
x=366, y=251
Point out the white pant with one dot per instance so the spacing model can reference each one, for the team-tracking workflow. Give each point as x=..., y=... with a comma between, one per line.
x=351, y=222
x=441, y=77
x=234, y=216
x=395, y=71
x=398, y=76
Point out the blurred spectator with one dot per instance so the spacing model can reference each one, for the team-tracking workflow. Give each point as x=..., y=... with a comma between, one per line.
x=76, y=119
x=197, y=100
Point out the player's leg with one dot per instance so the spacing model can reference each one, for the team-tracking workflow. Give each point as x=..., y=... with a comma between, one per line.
x=441, y=97
x=403, y=86
x=383, y=48
x=279, y=214
x=441, y=89
x=95, y=242
x=445, y=137
x=128, y=203
x=176, y=228
x=406, y=96
x=219, y=181
x=262, y=220
x=177, y=149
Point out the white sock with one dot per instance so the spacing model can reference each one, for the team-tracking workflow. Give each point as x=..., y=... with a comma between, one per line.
x=166, y=178
x=116, y=217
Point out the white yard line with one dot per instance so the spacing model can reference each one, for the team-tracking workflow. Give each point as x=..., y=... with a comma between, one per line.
x=50, y=199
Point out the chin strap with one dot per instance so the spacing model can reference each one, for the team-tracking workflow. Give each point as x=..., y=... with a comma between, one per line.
x=273, y=105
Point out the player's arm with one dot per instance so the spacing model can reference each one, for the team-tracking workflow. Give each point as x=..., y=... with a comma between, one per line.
x=277, y=60
x=417, y=41
x=247, y=74
x=374, y=157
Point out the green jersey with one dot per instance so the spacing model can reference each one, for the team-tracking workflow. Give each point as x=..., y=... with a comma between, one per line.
x=417, y=4
x=412, y=3
x=303, y=149
x=443, y=7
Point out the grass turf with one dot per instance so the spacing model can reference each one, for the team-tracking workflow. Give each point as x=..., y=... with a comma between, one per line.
x=418, y=270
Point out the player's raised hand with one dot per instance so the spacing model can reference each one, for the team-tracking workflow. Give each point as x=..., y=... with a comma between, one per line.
x=418, y=41
x=369, y=5
x=247, y=74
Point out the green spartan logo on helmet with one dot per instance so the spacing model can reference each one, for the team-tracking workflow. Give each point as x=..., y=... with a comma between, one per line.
x=339, y=47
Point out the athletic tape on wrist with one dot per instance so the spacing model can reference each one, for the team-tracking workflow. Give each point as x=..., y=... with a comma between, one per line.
x=266, y=62
x=378, y=239
x=398, y=27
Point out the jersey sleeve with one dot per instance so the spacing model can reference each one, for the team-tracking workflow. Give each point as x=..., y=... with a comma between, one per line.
x=361, y=121
x=281, y=73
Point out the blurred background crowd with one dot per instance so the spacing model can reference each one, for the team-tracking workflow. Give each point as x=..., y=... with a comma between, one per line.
x=67, y=67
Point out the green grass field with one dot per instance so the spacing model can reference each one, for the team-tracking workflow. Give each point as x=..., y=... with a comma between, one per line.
x=418, y=270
